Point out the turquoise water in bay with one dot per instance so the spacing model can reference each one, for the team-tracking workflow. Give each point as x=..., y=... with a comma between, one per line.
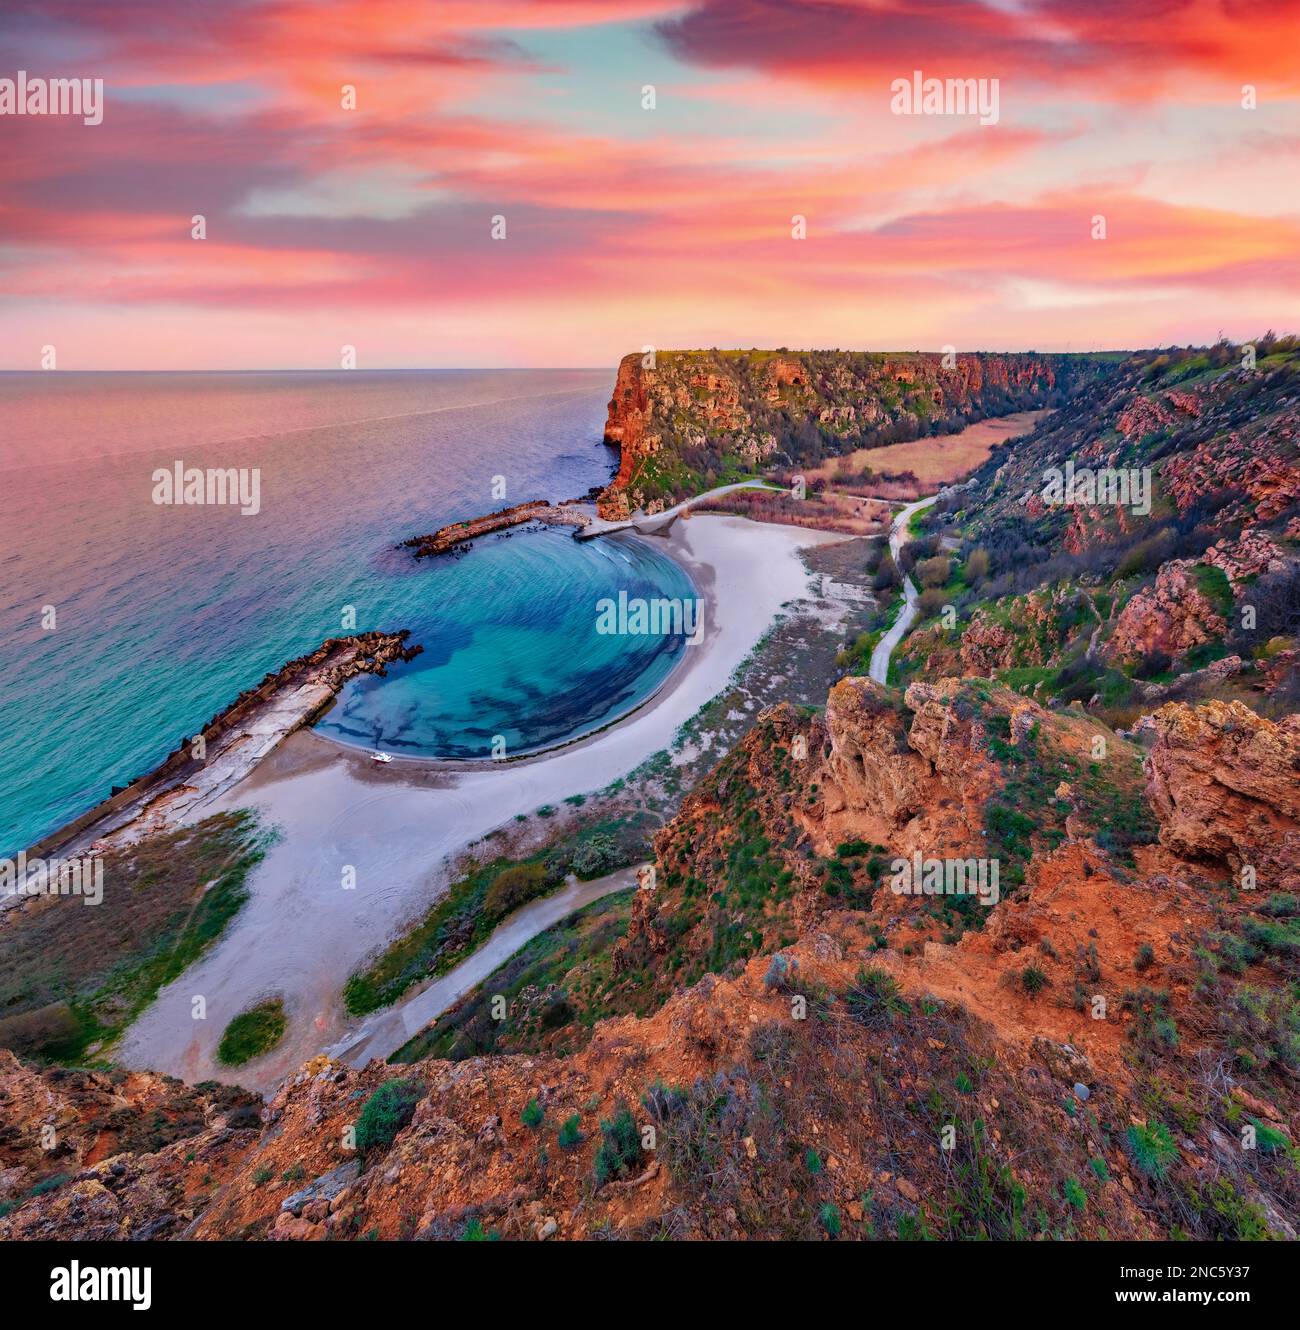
x=512, y=651
x=163, y=614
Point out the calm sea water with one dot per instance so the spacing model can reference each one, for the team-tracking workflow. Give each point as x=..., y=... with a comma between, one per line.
x=164, y=614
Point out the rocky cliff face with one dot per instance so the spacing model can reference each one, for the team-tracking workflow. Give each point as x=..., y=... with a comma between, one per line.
x=912, y=777
x=1225, y=783
x=1171, y=617
x=626, y=422
x=114, y=1155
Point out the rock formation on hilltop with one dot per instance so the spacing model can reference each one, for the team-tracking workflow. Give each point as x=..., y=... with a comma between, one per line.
x=1225, y=784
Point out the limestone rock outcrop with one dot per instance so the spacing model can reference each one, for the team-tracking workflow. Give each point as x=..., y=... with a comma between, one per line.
x=1172, y=616
x=1225, y=785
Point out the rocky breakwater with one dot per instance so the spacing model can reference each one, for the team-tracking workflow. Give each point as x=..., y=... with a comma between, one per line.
x=224, y=751
x=449, y=537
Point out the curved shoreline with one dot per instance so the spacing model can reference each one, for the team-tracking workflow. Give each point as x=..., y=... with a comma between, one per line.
x=458, y=764
x=241, y=734
x=303, y=930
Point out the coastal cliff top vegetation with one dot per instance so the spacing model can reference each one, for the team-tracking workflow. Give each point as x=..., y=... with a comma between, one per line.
x=689, y=420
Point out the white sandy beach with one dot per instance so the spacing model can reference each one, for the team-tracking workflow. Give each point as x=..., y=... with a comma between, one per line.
x=301, y=934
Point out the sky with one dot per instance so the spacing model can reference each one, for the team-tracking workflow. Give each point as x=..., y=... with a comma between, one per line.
x=648, y=161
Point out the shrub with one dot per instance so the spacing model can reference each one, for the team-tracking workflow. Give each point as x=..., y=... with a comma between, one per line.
x=874, y=999
x=385, y=1113
x=1075, y=1194
x=532, y=1114
x=1147, y=555
x=781, y=970
x=1281, y=905
x=853, y=849
x=700, y=1125
x=1152, y=663
x=47, y=1185
x=1153, y=1026
x=886, y=575
x=514, y=886
x=1152, y=1149
x=1268, y=1140
x=1280, y=939
x=1235, y=1218
x=597, y=855
x=829, y=1214
x=1033, y=980
x=934, y=572
x=570, y=1136
x=620, y=1146
x=1265, y=1023
x=1212, y=582
x=1145, y=957
x=557, y=863
x=252, y=1033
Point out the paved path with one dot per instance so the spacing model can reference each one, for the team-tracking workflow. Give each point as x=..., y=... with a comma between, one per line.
x=658, y=521
x=386, y=1031
x=898, y=537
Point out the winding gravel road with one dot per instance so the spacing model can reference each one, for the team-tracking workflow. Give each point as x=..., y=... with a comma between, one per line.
x=898, y=537
x=387, y=1030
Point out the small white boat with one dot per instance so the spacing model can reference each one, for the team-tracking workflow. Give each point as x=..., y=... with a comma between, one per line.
x=381, y=757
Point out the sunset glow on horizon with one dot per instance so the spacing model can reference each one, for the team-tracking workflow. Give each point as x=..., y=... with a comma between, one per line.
x=649, y=161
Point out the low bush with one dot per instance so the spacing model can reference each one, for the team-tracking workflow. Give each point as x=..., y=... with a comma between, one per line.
x=513, y=887
x=874, y=999
x=596, y=856
x=385, y=1113
x=570, y=1134
x=1152, y=1149
x=252, y=1033
x=619, y=1152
